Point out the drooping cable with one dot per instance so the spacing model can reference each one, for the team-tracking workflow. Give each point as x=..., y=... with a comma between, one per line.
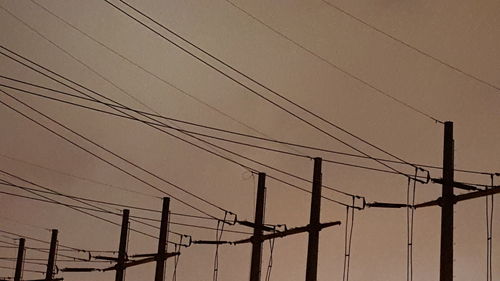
x=270, y=262
x=489, y=233
x=218, y=237
x=177, y=249
x=410, y=211
x=349, y=225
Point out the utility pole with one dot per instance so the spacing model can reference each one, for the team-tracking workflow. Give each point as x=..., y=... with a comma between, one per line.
x=162, y=243
x=122, y=250
x=20, y=260
x=52, y=256
x=314, y=224
x=447, y=201
x=255, y=267
x=446, y=261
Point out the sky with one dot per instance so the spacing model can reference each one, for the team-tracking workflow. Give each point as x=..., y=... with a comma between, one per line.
x=385, y=73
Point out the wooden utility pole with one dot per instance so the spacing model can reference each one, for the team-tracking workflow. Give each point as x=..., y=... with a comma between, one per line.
x=314, y=224
x=447, y=201
x=122, y=249
x=20, y=260
x=162, y=243
x=49, y=275
x=446, y=261
x=255, y=267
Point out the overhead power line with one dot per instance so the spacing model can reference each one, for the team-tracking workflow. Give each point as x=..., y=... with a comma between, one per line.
x=408, y=45
x=51, y=201
x=334, y=65
x=255, y=81
x=198, y=125
x=198, y=133
x=87, y=139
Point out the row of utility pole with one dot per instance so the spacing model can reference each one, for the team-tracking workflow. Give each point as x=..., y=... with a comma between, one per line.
x=446, y=202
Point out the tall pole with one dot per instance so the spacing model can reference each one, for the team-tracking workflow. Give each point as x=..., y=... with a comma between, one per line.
x=49, y=275
x=162, y=243
x=314, y=224
x=20, y=260
x=122, y=249
x=255, y=267
x=446, y=261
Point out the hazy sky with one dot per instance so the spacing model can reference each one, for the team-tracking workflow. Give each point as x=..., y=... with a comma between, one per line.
x=147, y=72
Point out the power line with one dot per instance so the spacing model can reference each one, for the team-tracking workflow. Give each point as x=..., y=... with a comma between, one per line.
x=332, y=64
x=402, y=42
x=228, y=159
x=204, y=135
x=92, y=153
x=204, y=126
x=253, y=80
x=106, y=212
x=77, y=177
x=71, y=207
x=170, y=84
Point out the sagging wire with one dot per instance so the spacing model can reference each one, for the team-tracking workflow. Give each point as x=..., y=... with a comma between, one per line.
x=410, y=214
x=489, y=233
x=218, y=237
x=349, y=225
x=177, y=248
x=270, y=263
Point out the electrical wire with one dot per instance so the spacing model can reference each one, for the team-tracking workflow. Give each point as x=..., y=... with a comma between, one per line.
x=410, y=214
x=489, y=233
x=253, y=80
x=349, y=225
x=405, y=43
x=228, y=159
x=74, y=208
x=319, y=149
x=334, y=65
x=169, y=84
x=110, y=212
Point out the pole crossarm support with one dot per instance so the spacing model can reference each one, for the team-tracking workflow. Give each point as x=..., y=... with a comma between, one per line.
x=387, y=205
x=459, y=185
x=288, y=232
x=462, y=197
x=255, y=226
x=143, y=261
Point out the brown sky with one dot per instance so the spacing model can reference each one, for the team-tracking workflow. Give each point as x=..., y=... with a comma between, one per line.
x=463, y=33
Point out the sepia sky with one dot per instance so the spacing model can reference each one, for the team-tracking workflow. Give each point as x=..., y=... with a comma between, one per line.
x=378, y=70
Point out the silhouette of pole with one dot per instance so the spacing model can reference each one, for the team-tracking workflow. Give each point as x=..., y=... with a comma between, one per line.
x=162, y=243
x=446, y=261
x=49, y=275
x=122, y=248
x=255, y=267
x=314, y=224
x=20, y=261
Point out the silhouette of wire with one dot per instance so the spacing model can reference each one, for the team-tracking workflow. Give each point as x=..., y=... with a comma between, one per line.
x=189, y=132
x=224, y=157
x=26, y=270
x=258, y=83
x=77, y=177
x=334, y=65
x=74, y=208
x=424, y=53
x=205, y=126
x=170, y=84
x=109, y=212
x=92, y=153
x=113, y=84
